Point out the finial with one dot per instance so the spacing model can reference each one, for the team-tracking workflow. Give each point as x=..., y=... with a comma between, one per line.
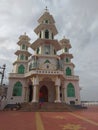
x=25, y=33
x=64, y=37
x=46, y=9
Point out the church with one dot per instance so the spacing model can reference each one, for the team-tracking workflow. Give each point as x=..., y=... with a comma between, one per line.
x=45, y=74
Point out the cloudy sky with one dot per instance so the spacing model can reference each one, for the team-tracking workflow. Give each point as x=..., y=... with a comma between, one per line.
x=77, y=20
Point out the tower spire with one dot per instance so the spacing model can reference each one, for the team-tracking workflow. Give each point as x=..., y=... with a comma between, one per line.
x=25, y=33
x=46, y=9
x=64, y=37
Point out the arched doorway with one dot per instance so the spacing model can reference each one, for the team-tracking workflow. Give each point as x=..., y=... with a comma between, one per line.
x=43, y=94
x=30, y=92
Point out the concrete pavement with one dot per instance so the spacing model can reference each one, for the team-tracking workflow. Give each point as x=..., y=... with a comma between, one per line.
x=86, y=119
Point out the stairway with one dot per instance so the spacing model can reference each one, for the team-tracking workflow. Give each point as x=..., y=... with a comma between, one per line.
x=46, y=107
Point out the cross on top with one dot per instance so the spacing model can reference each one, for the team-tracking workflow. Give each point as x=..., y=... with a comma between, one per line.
x=46, y=9
x=25, y=33
x=64, y=36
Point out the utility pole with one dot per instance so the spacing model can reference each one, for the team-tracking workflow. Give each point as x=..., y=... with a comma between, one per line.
x=2, y=73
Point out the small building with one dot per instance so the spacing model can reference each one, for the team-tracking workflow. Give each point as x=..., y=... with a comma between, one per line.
x=45, y=74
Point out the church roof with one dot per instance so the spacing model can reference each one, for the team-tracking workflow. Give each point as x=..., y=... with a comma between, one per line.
x=46, y=16
x=39, y=42
x=65, y=43
x=22, y=52
x=23, y=42
x=46, y=26
x=19, y=61
x=66, y=55
x=24, y=39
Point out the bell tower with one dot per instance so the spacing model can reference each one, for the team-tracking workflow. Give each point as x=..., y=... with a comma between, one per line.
x=20, y=65
x=66, y=57
x=46, y=46
x=46, y=30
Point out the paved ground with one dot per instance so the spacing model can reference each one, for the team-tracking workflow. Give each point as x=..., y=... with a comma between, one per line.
x=80, y=120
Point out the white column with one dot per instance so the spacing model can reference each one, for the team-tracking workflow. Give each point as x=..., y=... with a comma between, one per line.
x=35, y=89
x=43, y=33
x=57, y=94
x=57, y=84
x=65, y=92
x=34, y=93
x=25, y=94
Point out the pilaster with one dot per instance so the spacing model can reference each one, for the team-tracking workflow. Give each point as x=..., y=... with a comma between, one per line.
x=25, y=94
x=57, y=84
x=57, y=94
x=35, y=89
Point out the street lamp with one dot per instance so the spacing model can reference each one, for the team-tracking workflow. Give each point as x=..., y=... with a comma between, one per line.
x=2, y=73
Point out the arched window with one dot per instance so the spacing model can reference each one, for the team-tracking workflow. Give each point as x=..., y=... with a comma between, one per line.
x=30, y=66
x=23, y=46
x=67, y=60
x=21, y=69
x=17, y=90
x=46, y=21
x=68, y=71
x=47, y=34
x=26, y=57
x=22, y=57
x=70, y=90
x=52, y=36
x=47, y=49
x=40, y=35
x=54, y=52
x=66, y=50
x=37, y=50
x=47, y=61
x=26, y=48
x=58, y=64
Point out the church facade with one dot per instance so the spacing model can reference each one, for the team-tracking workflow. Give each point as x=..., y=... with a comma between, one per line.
x=45, y=73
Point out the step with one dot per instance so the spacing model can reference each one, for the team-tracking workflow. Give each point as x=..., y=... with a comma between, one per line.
x=46, y=107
